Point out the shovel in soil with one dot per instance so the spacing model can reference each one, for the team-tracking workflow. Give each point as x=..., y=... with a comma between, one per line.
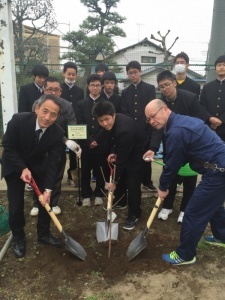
x=139, y=243
x=107, y=230
x=71, y=245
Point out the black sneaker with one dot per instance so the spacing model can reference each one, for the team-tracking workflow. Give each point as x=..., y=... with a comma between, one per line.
x=130, y=223
x=150, y=187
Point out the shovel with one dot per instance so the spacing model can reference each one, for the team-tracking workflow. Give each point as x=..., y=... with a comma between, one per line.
x=107, y=230
x=71, y=245
x=139, y=243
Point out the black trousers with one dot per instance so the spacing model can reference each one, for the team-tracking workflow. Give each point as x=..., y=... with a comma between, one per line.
x=15, y=193
x=128, y=188
x=89, y=161
x=56, y=192
x=146, y=173
x=73, y=163
x=189, y=184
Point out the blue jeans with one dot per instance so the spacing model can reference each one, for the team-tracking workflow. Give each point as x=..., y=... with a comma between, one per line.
x=206, y=205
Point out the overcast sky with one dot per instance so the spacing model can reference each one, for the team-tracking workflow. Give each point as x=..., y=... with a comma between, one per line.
x=190, y=20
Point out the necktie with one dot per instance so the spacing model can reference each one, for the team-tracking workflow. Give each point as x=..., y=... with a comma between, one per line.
x=37, y=136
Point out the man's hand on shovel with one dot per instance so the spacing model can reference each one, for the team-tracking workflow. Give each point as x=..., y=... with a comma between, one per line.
x=110, y=186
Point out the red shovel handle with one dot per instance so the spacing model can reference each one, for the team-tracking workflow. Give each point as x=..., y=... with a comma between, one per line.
x=47, y=207
x=35, y=187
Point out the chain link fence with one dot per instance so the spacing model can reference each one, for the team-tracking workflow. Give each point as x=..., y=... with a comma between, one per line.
x=148, y=74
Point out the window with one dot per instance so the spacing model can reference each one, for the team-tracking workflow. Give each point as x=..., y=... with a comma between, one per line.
x=148, y=59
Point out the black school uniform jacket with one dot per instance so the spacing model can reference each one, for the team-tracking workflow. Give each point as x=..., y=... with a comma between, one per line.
x=72, y=95
x=29, y=93
x=94, y=131
x=126, y=142
x=134, y=101
x=19, y=151
x=115, y=99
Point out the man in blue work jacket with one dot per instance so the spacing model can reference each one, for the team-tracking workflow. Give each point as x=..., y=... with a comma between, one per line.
x=188, y=139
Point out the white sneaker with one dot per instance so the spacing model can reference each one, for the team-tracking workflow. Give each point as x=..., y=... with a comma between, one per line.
x=98, y=201
x=34, y=211
x=180, y=218
x=56, y=210
x=29, y=187
x=164, y=213
x=70, y=182
x=86, y=202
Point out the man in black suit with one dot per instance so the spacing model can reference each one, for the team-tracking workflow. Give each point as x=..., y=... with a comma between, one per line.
x=26, y=154
x=127, y=148
x=32, y=91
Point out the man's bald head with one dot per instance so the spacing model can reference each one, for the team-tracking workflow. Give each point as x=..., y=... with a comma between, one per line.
x=157, y=113
x=153, y=105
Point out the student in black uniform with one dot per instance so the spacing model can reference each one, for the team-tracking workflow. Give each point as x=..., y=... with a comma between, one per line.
x=134, y=99
x=32, y=91
x=127, y=147
x=108, y=86
x=72, y=93
x=96, y=147
x=181, y=64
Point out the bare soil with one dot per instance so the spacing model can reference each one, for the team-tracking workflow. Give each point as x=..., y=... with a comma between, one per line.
x=54, y=273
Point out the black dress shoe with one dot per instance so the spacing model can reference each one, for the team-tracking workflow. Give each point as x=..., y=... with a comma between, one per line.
x=19, y=248
x=49, y=239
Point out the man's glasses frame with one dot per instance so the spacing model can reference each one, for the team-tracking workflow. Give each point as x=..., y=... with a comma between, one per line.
x=148, y=119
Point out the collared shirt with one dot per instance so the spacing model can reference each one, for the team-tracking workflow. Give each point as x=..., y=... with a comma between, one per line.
x=40, y=88
x=38, y=127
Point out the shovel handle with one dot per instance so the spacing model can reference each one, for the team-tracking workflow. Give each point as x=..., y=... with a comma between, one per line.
x=47, y=207
x=52, y=215
x=153, y=213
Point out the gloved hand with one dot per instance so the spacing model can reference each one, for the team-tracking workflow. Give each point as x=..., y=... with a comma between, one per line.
x=73, y=146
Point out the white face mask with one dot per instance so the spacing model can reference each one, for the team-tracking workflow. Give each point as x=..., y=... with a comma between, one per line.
x=69, y=82
x=180, y=68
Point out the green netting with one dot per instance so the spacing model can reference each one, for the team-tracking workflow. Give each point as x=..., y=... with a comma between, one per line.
x=4, y=221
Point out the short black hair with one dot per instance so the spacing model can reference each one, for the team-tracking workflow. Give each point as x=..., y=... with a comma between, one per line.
x=40, y=70
x=182, y=55
x=165, y=75
x=134, y=65
x=220, y=59
x=101, y=67
x=51, y=79
x=46, y=97
x=109, y=76
x=70, y=65
x=103, y=108
x=94, y=77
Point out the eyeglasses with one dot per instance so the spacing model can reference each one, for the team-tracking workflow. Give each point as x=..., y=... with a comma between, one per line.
x=131, y=73
x=164, y=86
x=50, y=90
x=95, y=85
x=153, y=116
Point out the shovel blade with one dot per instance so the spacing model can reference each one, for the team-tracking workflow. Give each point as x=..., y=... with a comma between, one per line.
x=74, y=247
x=103, y=232
x=137, y=245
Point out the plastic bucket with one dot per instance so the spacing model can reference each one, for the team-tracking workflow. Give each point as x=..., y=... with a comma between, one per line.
x=187, y=171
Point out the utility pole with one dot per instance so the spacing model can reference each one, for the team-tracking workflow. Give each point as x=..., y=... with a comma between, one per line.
x=7, y=63
x=139, y=25
x=217, y=39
